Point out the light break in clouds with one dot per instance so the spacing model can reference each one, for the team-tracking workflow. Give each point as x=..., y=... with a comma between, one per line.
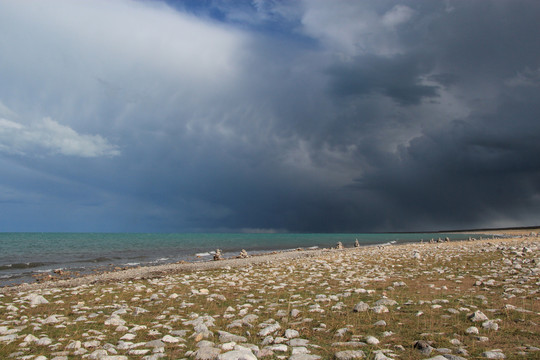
x=49, y=137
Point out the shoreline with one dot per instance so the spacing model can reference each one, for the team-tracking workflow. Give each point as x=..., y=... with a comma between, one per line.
x=97, y=257
x=152, y=271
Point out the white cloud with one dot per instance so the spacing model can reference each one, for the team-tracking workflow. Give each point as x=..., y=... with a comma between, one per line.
x=48, y=136
x=354, y=28
x=398, y=15
x=113, y=65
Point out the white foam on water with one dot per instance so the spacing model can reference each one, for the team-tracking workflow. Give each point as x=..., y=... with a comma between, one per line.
x=203, y=254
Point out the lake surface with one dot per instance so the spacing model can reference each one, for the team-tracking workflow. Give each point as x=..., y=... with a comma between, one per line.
x=23, y=255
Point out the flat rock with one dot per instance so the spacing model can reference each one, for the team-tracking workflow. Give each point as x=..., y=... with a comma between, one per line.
x=493, y=355
x=349, y=354
x=269, y=329
x=298, y=342
x=361, y=307
x=387, y=302
x=170, y=339
x=423, y=347
x=304, y=357
x=290, y=333
x=349, y=343
x=36, y=300
x=379, y=309
x=237, y=355
x=381, y=356
x=225, y=337
x=372, y=340
x=207, y=353
x=155, y=344
x=490, y=325
x=453, y=357
x=478, y=316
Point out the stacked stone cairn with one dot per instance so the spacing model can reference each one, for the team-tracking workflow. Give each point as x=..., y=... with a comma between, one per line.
x=218, y=256
x=243, y=254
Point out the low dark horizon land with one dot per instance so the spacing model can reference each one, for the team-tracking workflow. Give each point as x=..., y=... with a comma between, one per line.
x=310, y=116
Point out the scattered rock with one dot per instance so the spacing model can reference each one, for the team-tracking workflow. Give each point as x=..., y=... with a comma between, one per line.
x=493, y=354
x=349, y=355
x=360, y=307
x=423, y=346
x=478, y=316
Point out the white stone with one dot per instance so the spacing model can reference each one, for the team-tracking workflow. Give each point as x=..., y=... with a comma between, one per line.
x=372, y=340
x=237, y=355
x=304, y=357
x=269, y=329
x=360, y=307
x=490, y=325
x=493, y=354
x=51, y=320
x=290, y=334
x=30, y=338
x=300, y=350
x=74, y=345
x=44, y=341
x=379, y=355
x=128, y=337
x=98, y=354
x=228, y=346
x=278, y=347
x=478, y=316
x=36, y=299
x=349, y=354
x=115, y=320
x=379, y=309
x=170, y=339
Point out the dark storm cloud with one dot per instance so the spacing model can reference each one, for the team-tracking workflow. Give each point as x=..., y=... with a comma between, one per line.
x=396, y=77
x=304, y=116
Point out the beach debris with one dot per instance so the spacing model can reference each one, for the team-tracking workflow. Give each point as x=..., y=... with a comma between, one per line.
x=339, y=245
x=218, y=256
x=356, y=243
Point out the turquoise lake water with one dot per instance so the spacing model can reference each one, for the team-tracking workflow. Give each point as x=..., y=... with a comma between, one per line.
x=25, y=254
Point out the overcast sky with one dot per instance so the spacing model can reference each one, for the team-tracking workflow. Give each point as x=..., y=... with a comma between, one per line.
x=299, y=116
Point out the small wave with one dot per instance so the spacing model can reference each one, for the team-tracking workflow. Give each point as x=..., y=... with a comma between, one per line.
x=131, y=264
x=312, y=248
x=162, y=259
x=45, y=271
x=27, y=265
x=202, y=254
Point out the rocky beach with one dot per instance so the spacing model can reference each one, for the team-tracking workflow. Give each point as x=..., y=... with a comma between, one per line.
x=442, y=301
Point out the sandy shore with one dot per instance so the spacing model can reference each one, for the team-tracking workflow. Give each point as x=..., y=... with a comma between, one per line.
x=442, y=301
